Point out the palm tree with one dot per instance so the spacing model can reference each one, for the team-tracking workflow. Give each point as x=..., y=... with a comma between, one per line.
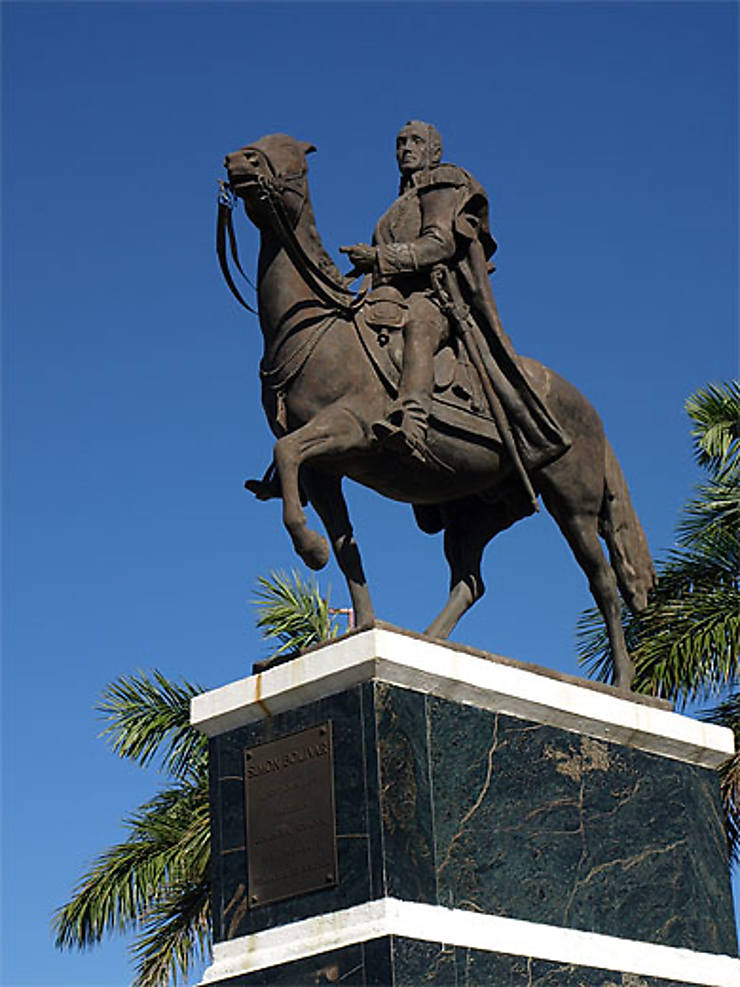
x=155, y=884
x=685, y=644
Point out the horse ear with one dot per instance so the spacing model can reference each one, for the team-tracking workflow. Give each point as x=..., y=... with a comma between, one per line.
x=306, y=147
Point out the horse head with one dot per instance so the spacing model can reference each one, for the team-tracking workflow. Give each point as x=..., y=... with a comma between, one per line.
x=269, y=176
x=271, y=169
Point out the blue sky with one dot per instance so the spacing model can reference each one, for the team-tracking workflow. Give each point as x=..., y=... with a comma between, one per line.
x=606, y=136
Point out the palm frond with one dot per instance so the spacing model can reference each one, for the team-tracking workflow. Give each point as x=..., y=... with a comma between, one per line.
x=715, y=411
x=177, y=934
x=685, y=643
x=689, y=648
x=149, y=715
x=711, y=520
x=169, y=841
x=292, y=612
x=727, y=714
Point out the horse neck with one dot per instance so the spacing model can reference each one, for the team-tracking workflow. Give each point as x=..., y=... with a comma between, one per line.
x=285, y=299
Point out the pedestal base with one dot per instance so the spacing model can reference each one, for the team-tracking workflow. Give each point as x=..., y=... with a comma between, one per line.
x=391, y=942
x=495, y=823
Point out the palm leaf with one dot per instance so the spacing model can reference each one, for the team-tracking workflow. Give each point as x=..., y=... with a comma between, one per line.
x=292, y=612
x=169, y=841
x=177, y=934
x=149, y=715
x=715, y=411
x=711, y=520
x=685, y=644
x=727, y=714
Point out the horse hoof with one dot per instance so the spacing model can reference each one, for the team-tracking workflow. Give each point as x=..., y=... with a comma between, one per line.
x=624, y=678
x=315, y=551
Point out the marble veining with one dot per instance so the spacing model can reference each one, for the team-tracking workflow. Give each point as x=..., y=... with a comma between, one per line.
x=446, y=803
x=536, y=823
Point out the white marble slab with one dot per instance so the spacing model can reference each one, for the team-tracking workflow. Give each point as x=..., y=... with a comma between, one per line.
x=454, y=927
x=477, y=679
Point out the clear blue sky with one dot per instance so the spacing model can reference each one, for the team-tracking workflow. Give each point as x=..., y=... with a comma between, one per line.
x=606, y=136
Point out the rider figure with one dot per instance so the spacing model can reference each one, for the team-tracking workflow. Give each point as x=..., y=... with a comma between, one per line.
x=414, y=235
x=441, y=219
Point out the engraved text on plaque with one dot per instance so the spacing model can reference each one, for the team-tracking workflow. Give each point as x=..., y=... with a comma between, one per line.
x=291, y=835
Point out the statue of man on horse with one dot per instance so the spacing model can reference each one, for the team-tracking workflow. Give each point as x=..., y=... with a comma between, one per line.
x=413, y=389
x=429, y=263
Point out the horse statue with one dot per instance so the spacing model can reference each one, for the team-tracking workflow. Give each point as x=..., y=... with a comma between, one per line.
x=327, y=377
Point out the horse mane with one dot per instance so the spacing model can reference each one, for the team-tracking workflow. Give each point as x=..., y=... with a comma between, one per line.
x=286, y=154
x=317, y=251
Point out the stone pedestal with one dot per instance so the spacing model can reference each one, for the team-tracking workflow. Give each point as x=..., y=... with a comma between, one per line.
x=496, y=823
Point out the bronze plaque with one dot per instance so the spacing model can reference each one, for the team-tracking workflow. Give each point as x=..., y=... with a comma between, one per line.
x=291, y=833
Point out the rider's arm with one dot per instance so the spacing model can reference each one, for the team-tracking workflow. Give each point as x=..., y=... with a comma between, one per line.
x=435, y=243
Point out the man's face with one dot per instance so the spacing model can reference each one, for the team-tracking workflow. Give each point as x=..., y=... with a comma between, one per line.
x=411, y=149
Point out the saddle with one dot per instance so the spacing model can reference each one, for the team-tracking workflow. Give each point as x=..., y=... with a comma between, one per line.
x=459, y=403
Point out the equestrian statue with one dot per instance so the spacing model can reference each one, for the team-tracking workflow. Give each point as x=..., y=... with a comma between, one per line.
x=410, y=386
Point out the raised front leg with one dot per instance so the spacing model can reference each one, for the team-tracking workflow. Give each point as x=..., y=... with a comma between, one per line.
x=332, y=432
x=325, y=493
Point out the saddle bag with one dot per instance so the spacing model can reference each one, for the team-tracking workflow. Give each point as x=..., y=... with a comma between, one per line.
x=385, y=308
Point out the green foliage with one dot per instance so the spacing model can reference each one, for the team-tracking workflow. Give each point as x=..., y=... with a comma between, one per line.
x=155, y=884
x=292, y=612
x=150, y=715
x=727, y=714
x=715, y=411
x=685, y=644
x=138, y=885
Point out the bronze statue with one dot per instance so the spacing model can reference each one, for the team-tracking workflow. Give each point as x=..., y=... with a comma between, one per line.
x=411, y=387
x=430, y=246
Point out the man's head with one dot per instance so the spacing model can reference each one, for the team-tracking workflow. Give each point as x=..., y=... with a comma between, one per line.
x=418, y=147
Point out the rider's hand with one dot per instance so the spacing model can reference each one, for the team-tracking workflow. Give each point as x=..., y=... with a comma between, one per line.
x=362, y=256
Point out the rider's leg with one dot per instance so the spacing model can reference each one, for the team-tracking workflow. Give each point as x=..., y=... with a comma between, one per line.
x=425, y=330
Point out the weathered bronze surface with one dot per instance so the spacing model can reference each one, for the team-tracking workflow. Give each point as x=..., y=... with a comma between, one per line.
x=412, y=387
x=291, y=834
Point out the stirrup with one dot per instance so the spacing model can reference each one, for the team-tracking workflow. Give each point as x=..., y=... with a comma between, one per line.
x=404, y=429
x=399, y=440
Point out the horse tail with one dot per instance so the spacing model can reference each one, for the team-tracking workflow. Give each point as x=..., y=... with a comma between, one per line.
x=621, y=530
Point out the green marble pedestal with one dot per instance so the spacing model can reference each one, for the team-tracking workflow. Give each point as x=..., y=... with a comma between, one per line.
x=496, y=823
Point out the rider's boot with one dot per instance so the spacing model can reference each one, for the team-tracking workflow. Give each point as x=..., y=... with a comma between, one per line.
x=405, y=426
x=404, y=429
x=268, y=487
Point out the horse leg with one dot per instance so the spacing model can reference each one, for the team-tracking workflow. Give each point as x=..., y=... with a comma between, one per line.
x=466, y=535
x=469, y=526
x=332, y=432
x=325, y=493
x=581, y=533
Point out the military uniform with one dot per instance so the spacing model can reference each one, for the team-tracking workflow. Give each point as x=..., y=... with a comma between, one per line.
x=441, y=218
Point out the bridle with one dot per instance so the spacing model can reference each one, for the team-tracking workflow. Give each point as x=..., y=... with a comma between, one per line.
x=270, y=191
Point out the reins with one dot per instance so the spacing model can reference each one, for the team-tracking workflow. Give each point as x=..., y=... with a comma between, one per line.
x=336, y=296
x=224, y=229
